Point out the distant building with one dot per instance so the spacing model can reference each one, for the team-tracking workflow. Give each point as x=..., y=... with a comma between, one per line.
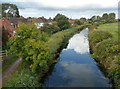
x=41, y=21
x=11, y=23
x=72, y=21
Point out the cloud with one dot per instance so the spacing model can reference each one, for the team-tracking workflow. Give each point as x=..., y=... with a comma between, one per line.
x=49, y=8
x=64, y=4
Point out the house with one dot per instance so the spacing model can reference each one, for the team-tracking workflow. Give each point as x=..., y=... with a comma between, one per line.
x=4, y=23
x=72, y=21
x=41, y=21
x=13, y=21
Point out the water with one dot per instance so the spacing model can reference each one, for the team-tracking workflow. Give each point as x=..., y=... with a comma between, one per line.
x=76, y=68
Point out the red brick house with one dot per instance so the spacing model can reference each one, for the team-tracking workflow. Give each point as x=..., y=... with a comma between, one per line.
x=4, y=23
x=72, y=21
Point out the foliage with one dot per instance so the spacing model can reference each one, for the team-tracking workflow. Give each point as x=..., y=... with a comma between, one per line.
x=9, y=61
x=98, y=36
x=109, y=53
x=23, y=77
x=50, y=29
x=112, y=16
x=106, y=50
x=105, y=16
x=90, y=21
x=92, y=27
x=82, y=20
x=77, y=22
x=30, y=45
x=9, y=10
x=62, y=21
x=93, y=18
x=109, y=17
x=4, y=38
x=58, y=40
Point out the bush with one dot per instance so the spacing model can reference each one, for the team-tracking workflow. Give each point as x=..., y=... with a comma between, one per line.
x=62, y=21
x=50, y=29
x=23, y=77
x=106, y=51
x=97, y=36
x=106, y=48
x=77, y=22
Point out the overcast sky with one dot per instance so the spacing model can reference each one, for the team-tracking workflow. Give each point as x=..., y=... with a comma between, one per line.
x=70, y=8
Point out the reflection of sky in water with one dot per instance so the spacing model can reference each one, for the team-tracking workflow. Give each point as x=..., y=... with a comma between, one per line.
x=79, y=42
x=76, y=68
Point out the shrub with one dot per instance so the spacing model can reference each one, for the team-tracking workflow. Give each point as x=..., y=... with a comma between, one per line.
x=98, y=36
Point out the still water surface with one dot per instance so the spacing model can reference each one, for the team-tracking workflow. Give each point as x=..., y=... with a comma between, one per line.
x=76, y=68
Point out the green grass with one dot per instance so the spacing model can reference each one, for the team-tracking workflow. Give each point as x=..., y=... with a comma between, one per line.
x=23, y=77
x=11, y=60
x=110, y=27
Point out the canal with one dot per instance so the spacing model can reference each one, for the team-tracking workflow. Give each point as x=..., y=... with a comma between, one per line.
x=76, y=67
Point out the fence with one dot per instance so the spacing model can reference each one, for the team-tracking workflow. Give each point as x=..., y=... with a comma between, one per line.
x=3, y=53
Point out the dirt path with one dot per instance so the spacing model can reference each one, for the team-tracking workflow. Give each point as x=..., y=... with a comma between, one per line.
x=10, y=70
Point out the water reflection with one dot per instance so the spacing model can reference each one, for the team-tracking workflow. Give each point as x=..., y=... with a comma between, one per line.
x=76, y=68
x=79, y=42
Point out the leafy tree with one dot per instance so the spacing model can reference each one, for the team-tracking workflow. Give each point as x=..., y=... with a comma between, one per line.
x=112, y=16
x=99, y=18
x=62, y=21
x=93, y=18
x=29, y=43
x=82, y=20
x=9, y=10
x=90, y=21
x=50, y=29
x=77, y=22
x=105, y=16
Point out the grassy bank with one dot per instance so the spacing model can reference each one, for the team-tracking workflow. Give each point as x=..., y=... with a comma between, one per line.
x=24, y=77
x=9, y=61
x=106, y=50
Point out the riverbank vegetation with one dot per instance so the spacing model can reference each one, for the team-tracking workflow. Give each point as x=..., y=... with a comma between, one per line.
x=105, y=47
x=37, y=49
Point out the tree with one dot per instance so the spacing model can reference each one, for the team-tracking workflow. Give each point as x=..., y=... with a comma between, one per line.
x=77, y=22
x=112, y=16
x=93, y=18
x=90, y=21
x=62, y=21
x=105, y=16
x=29, y=43
x=82, y=20
x=99, y=18
x=50, y=29
x=9, y=10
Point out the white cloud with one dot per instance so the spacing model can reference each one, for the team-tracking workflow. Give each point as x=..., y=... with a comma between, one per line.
x=70, y=8
x=71, y=3
x=79, y=42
